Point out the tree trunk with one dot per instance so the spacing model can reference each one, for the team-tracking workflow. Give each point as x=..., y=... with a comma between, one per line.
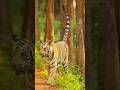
x=90, y=81
x=70, y=37
x=49, y=35
x=117, y=9
x=80, y=33
x=29, y=20
x=6, y=26
x=109, y=50
x=37, y=33
x=62, y=14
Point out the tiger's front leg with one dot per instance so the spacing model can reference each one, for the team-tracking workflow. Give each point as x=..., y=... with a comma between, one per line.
x=52, y=71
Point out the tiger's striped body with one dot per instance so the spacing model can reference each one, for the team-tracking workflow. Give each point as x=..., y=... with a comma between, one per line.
x=57, y=53
x=26, y=55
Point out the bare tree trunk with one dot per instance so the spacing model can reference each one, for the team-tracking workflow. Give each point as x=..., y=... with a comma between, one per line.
x=70, y=37
x=37, y=33
x=80, y=33
x=62, y=14
x=49, y=35
x=117, y=12
x=28, y=20
x=89, y=70
x=6, y=26
x=109, y=49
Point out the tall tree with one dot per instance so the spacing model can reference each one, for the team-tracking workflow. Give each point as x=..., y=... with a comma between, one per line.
x=5, y=27
x=49, y=35
x=117, y=13
x=62, y=14
x=37, y=33
x=80, y=7
x=109, y=49
x=70, y=37
x=89, y=70
x=5, y=17
x=28, y=19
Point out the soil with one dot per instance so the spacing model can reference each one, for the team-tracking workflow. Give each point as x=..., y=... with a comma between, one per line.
x=40, y=84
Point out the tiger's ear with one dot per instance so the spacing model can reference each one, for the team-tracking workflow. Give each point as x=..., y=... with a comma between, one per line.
x=41, y=42
x=49, y=42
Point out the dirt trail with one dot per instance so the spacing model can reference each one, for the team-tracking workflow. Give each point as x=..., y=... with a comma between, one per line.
x=40, y=84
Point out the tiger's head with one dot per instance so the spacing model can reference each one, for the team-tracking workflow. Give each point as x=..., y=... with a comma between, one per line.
x=45, y=49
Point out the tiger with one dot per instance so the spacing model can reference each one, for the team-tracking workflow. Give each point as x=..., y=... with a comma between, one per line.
x=26, y=51
x=56, y=52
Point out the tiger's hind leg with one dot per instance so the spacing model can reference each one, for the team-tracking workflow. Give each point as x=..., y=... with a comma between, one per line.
x=52, y=71
x=65, y=64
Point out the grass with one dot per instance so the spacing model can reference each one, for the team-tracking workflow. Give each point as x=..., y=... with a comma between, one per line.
x=39, y=62
x=70, y=81
x=9, y=80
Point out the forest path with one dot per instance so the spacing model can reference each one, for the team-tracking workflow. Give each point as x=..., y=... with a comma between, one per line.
x=40, y=84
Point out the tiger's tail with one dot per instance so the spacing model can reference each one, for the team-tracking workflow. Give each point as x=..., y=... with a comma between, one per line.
x=67, y=25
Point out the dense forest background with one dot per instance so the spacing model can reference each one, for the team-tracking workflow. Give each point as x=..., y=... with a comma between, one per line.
x=50, y=25
x=17, y=17
x=101, y=39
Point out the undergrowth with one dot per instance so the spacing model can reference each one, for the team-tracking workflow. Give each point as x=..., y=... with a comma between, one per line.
x=70, y=81
x=8, y=79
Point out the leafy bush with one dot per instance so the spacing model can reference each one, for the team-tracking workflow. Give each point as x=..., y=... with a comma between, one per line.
x=71, y=81
x=9, y=80
x=44, y=74
x=39, y=62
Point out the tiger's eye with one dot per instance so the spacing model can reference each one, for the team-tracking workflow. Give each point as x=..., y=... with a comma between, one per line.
x=44, y=48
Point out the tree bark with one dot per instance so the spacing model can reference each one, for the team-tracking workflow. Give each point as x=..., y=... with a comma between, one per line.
x=28, y=28
x=109, y=49
x=5, y=19
x=117, y=13
x=5, y=27
x=62, y=14
x=80, y=34
x=90, y=81
x=37, y=33
x=49, y=35
x=70, y=37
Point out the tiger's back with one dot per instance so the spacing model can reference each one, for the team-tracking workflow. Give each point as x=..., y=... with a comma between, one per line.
x=62, y=50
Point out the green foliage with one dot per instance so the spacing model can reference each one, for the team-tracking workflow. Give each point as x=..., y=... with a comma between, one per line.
x=57, y=27
x=71, y=81
x=16, y=10
x=9, y=80
x=42, y=7
x=39, y=62
x=44, y=74
x=42, y=24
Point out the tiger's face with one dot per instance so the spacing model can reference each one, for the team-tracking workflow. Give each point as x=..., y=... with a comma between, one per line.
x=45, y=49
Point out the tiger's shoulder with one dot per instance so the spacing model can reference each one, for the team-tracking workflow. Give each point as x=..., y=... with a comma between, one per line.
x=59, y=44
x=60, y=47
